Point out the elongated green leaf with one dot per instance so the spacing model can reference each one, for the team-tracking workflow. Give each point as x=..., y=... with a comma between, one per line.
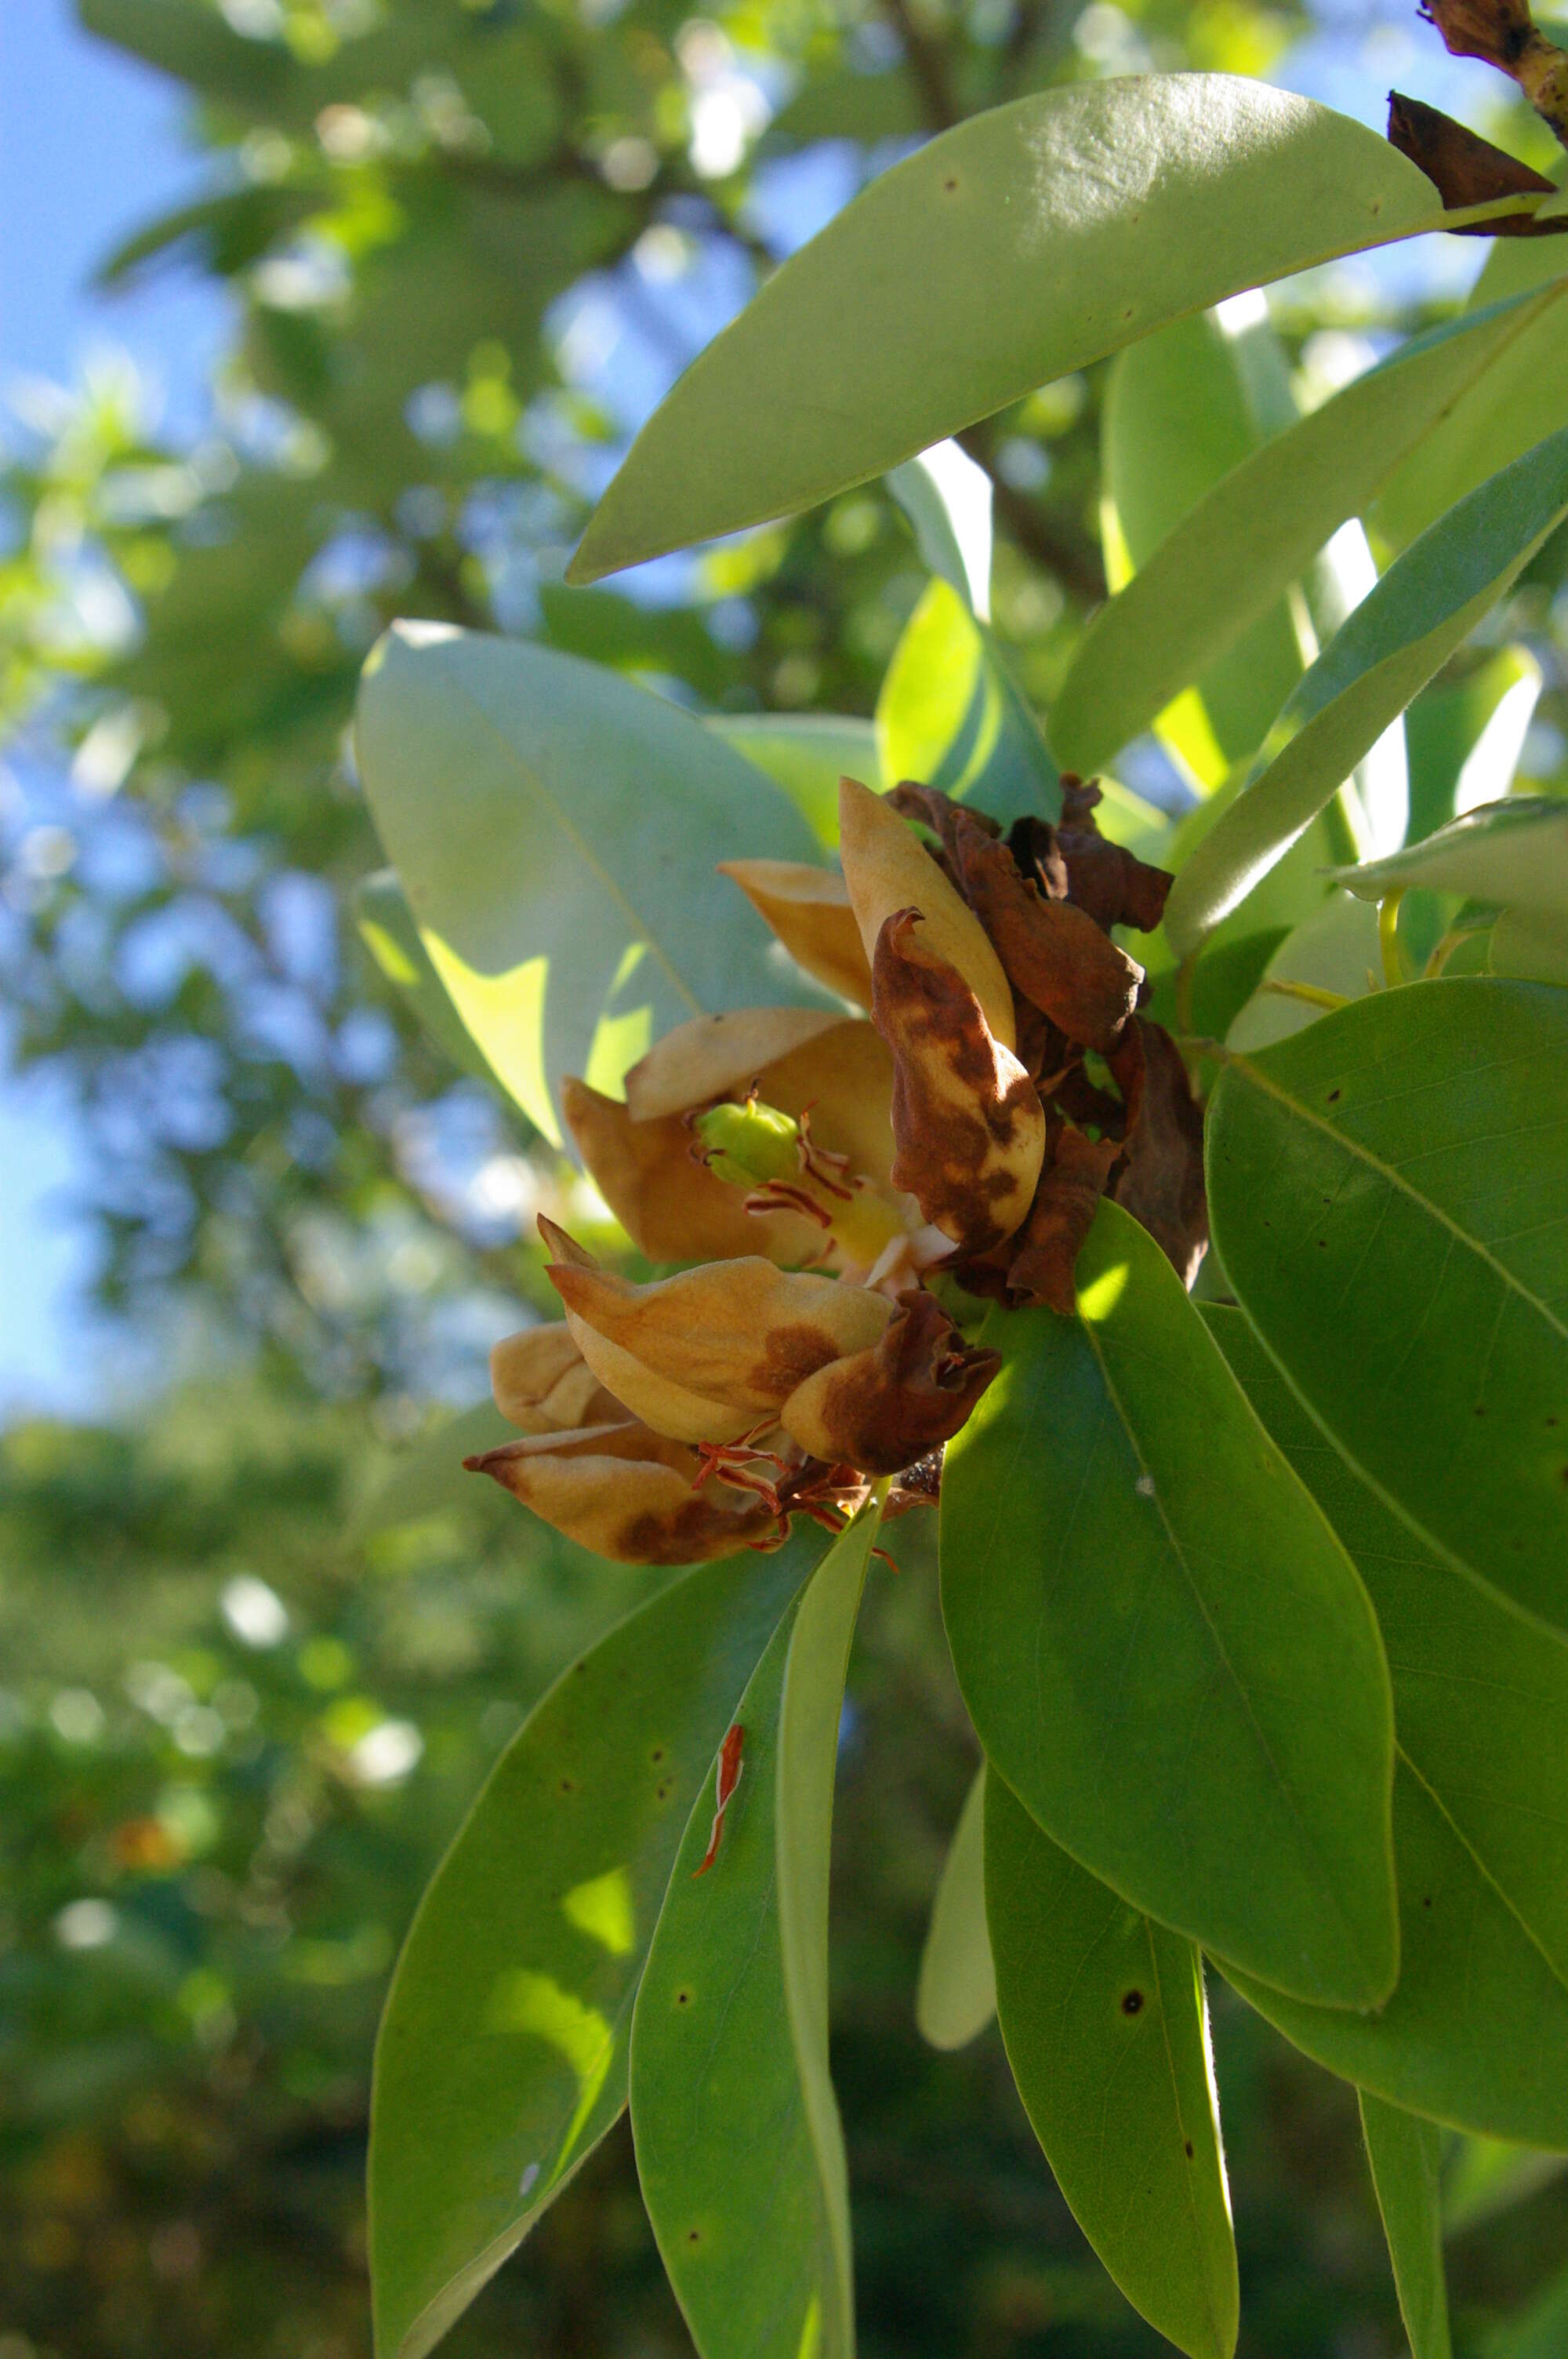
x=738, y=2140
x=556, y=829
x=1390, y=645
x=948, y=500
x=951, y=715
x=806, y=754
x=1229, y=555
x=1182, y=409
x=1510, y=408
x=1103, y=2017
x=1477, y=2032
x=1389, y=1192
x=1512, y=851
x=956, y=1997
x=502, y=2058
x=392, y=940
x=1021, y=245
x=1164, y=1648
x=1406, y=2155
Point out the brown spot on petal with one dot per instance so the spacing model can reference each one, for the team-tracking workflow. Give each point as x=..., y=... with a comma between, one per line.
x=968, y=1130
x=628, y=1494
x=1074, y=860
x=888, y=1407
x=1466, y=169
x=1055, y=955
x=1162, y=1180
x=1059, y=1221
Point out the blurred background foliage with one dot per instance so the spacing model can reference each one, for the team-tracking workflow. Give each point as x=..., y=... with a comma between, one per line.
x=467, y=244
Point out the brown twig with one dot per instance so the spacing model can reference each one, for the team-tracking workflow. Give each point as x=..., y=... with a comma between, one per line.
x=928, y=63
x=1502, y=33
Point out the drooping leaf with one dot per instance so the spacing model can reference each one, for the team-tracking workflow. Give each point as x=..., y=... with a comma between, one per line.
x=1513, y=852
x=1477, y=2031
x=1104, y=2021
x=556, y=829
x=1390, y=646
x=1162, y=1647
x=956, y=1996
x=387, y=926
x=950, y=715
x=1238, y=548
x=1182, y=409
x=739, y=2146
x=806, y=754
x=1406, y=2155
x=502, y=2057
x=1389, y=1192
x=1014, y=249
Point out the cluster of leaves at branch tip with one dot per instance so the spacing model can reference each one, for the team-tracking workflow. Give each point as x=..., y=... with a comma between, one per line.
x=819, y=1168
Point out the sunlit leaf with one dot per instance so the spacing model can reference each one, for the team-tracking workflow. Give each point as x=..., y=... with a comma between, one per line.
x=956, y=1996
x=951, y=715
x=806, y=754
x=1390, y=645
x=1021, y=245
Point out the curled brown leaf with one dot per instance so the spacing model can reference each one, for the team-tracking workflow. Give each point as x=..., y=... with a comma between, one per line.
x=1162, y=1180
x=889, y=1406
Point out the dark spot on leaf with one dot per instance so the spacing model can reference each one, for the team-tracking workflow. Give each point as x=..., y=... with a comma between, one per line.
x=1189, y=2150
x=1481, y=1408
x=950, y=183
x=567, y=1786
x=1322, y=1243
x=581, y=1665
x=694, y=2235
x=1133, y=2001
x=1426, y=1899
x=661, y=1792
x=683, y=1998
x=1552, y=1420
x=1334, y=1097
x=658, y=1754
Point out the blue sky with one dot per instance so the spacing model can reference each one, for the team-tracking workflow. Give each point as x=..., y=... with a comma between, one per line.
x=90, y=145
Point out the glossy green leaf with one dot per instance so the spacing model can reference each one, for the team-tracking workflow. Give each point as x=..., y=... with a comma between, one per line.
x=1508, y=852
x=387, y=924
x=1389, y=1192
x=739, y=2146
x=1228, y=554
x=806, y=754
x=956, y=1996
x=1164, y=1648
x=556, y=829
x=1014, y=249
x=1103, y=2018
x=1477, y=2032
x=948, y=500
x=1509, y=410
x=1183, y=409
x=951, y=715
x=1406, y=2155
x=1390, y=646
x=502, y=2058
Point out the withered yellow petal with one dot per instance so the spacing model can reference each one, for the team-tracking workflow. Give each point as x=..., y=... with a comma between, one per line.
x=809, y=911
x=741, y=1334
x=845, y=1078
x=968, y=1128
x=887, y=868
x=714, y=1055
x=542, y=1384
x=629, y=1495
x=668, y=1203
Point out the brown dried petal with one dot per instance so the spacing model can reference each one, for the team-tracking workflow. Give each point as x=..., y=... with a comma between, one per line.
x=1059, y=1221
x=1162, y=1181
x=663, y=1199
x=887, y=868
x=1055, y=955
x=890, y=1406
x=1498, y=31
x=968, y=1129
x=629, y=1495
x=542, y=1384
x=737, y=1332
x=1466, y=169
x=808, y=910
x=941, y=814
